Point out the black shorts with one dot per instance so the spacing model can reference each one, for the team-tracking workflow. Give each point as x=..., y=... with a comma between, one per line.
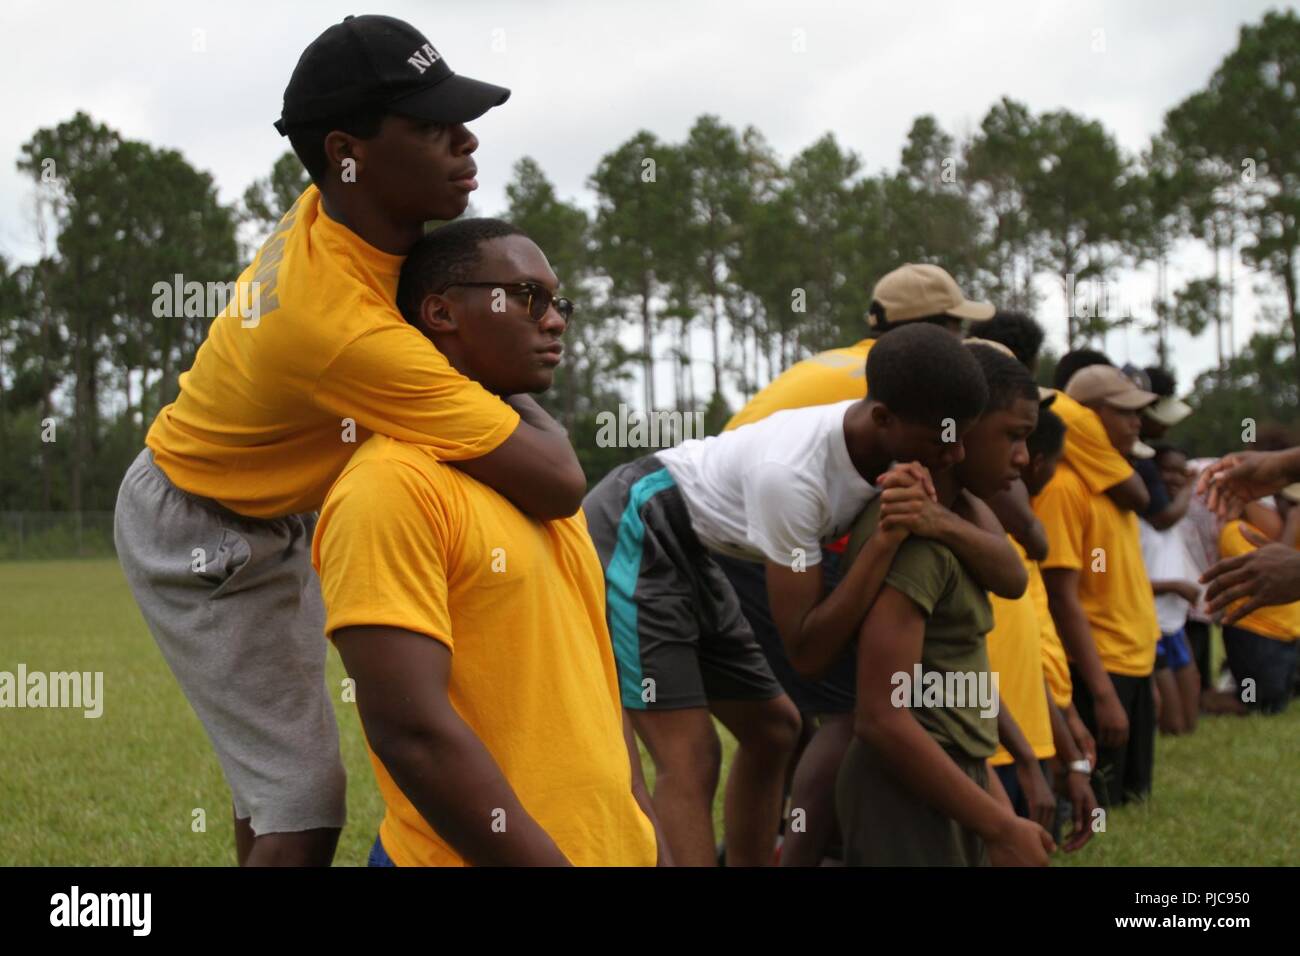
x=834, y=693
x=1270, y=663
x=680, y=639
x=1122, y=773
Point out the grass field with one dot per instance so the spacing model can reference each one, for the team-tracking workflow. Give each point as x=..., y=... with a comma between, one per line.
x=122, y=789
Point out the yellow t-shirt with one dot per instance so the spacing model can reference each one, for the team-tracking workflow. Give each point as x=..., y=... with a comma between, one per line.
x=1088, y=533
x=1279, y=621
x=408, y=542
x=1056, y=666
x=824, y=379
x=1015, y=656
x=279, y=397
x=1087, y=448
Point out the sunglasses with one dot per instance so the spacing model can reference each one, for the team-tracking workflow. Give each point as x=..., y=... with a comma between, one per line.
x=540, y=298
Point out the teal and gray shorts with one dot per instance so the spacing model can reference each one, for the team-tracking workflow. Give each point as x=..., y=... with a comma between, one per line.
x=680, y=638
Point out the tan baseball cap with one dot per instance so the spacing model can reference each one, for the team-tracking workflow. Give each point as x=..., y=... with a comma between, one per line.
x=1106, y=383
x=914, y=291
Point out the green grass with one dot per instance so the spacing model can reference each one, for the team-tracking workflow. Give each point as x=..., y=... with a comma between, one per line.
x=121, y=790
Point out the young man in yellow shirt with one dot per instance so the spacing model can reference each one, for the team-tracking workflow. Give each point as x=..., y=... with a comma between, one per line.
x=1100, y=596
x=1261, y=644
x=476, y=635
x=214, y=519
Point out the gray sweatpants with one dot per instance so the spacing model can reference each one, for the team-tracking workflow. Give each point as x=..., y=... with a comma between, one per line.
x=235, y=607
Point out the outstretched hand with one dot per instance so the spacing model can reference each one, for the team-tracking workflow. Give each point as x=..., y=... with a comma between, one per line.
x=1264, y=577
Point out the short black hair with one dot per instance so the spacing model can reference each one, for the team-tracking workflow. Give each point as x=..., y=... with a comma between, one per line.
x=1048, y=436
x=1006, y=378
x=1163, y=449
x=923, y=375
x=880, y=325
x=1162, y=381
x=308, y=142
x=1016, y=331
x=446, y=255
x=1071, y=362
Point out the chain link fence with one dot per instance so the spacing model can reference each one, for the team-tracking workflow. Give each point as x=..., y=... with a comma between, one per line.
x=33, y=535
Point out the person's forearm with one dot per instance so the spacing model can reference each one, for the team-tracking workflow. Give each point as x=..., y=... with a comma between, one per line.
x=1130, y=494
x=531, y=413
x=1076, y=634
x=1012, y=737
x=453, y=781
x=1290, y=461
x=832, y=625
x=536, y=467
x=987, y=556
x=1012, y=508
x=928, y=771
x=1175, y=511
x=1062, y=740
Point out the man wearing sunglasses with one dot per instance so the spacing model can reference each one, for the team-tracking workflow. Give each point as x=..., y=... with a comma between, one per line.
x=214, y=518
x=476, y=635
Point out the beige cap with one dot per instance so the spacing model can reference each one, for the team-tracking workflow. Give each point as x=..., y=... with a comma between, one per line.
x=1169, y=411
x=1106, y=383
x=915, y=291
x=1045, y=395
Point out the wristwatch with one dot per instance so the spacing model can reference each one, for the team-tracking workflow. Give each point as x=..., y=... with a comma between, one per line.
x=1083, y=766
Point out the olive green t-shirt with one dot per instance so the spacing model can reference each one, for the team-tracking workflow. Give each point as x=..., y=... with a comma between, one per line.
x=956, y=698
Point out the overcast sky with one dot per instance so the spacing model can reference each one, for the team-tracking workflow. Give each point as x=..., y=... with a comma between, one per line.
x=207, y=79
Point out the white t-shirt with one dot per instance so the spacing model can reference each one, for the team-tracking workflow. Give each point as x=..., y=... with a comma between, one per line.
x=774, y=489
x=1199, y=531
x=1165, y=555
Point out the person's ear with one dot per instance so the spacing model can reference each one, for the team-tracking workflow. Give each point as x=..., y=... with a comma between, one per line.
x=437, y=316
x=881, y=416
x=345, y=154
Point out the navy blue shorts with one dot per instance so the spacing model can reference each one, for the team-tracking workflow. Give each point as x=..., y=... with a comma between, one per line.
x=379, y=856
x=1270, y=663
x=1172, y=651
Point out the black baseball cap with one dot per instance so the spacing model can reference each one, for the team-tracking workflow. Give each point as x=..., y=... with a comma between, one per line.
x=375, y=61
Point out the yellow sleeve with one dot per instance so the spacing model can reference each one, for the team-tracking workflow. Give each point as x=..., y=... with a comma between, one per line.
x=392, y=381
x=381, y=548
x=1232, y=542
x=1062, y=507
x=1087, y=449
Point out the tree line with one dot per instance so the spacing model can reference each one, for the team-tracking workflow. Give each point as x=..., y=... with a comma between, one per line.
x=772, y=259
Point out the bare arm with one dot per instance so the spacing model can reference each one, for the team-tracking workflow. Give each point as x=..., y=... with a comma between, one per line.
x=432, y=754
x=1184, y=589
x=980, y=543
x=1013, y=511
x=536, y=467
x=815, y=632
x=1130, y=494
x=891, y=642
x=1176, y=509
x=1076, y=634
